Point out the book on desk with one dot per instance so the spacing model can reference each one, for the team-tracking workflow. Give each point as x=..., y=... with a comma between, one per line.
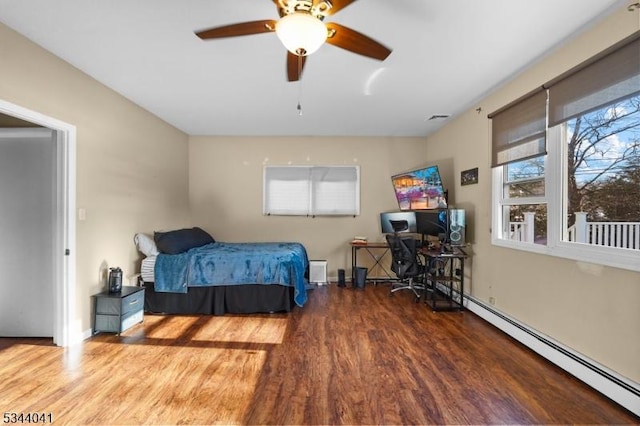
x=359, y=240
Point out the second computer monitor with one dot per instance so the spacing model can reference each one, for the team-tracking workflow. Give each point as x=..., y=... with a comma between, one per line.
x=433, y=222
x=398, y=222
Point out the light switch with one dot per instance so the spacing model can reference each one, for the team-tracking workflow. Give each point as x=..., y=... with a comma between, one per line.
x=82, y=214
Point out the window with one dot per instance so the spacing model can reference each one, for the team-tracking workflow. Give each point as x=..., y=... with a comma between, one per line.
x=578, y=197
x=519, y=158
x=311, y=190
x=601, y=160
x=524, y=202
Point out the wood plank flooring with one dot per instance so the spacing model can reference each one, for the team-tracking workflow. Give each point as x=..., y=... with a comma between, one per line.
x=348, y=357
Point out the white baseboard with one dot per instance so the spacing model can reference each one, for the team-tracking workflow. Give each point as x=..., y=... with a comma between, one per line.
x=87, y=333
x=616, y=387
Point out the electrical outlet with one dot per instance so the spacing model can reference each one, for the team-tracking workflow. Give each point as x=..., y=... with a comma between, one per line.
x=492, y=300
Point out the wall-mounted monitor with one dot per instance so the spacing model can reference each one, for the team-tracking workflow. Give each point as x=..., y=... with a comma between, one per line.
x=419, y=189
x=398, y=222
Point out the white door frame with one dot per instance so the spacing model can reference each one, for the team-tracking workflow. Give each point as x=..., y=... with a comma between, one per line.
x=66, y=327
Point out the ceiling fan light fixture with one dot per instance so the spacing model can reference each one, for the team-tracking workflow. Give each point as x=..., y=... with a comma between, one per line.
x=301, y=33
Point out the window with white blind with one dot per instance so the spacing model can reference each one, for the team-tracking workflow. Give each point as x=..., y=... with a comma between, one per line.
x=311, y=190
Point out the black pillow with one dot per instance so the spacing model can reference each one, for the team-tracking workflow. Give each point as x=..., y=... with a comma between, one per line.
x=181, y=240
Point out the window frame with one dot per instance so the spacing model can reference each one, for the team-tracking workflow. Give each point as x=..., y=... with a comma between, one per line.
x=598, y=82
x=312, y=174
x=507, y=202
x=555, y=188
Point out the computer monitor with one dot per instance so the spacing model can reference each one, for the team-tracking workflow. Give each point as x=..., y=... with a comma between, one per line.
x=398, y=222
x=434, y=223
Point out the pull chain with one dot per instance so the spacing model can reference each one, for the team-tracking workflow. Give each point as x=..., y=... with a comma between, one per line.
x=299, y=107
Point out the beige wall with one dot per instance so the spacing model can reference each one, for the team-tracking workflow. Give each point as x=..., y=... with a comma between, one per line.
x=133, y=176
x=131, y=166
x=225, y=176
x=590, y=308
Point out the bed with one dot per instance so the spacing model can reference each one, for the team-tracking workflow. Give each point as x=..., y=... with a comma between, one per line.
x=188, y=272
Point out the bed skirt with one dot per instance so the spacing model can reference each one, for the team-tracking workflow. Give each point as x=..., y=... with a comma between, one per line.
x=220, y=300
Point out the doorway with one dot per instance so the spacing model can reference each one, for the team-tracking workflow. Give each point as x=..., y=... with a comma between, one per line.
x=60, y=232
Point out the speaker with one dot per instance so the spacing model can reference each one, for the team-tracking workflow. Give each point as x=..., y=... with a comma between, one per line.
x=318, y=272
x=341, y=280
x=457, y=227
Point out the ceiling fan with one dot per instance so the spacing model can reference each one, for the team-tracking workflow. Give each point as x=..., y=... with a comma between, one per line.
x=302, y=31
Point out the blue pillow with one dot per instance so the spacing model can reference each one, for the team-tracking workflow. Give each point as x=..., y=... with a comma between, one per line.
x=181, y=240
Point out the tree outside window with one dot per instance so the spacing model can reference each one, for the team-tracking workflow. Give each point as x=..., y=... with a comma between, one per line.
x=603, y=169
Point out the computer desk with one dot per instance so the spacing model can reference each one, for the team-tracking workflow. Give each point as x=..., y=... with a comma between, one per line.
x=444, y=278
x=375, y=251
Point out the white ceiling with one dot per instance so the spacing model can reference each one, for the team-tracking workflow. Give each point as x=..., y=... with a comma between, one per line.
x=446, y=56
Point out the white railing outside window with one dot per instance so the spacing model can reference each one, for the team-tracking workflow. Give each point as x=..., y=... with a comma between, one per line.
x=523, y=231
x=606, y=234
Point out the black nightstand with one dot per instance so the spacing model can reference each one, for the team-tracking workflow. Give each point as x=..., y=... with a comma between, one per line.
x=117, y=312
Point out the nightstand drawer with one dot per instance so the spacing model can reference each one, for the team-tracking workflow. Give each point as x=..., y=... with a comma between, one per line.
x=108, y=305
x=109, y=323
x=120, y=305
x=133, y=302
x=132, y=319
x=117, y=324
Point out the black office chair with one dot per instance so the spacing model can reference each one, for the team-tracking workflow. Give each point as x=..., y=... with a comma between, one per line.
x=406, y=264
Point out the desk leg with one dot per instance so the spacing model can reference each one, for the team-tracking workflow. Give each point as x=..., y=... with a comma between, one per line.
x=462, y=284
x=354, y=262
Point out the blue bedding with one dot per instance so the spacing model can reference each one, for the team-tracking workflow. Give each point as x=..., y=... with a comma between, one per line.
x=222, y=263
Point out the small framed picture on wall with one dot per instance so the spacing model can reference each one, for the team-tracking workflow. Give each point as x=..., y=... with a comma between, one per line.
x=469, y=177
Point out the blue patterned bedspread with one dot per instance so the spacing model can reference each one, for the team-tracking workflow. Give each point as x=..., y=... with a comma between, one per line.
x=234, y=264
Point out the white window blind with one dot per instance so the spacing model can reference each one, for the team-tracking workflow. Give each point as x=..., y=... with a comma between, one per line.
x=311, y=190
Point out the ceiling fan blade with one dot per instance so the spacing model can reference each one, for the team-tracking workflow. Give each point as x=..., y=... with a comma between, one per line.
x=356, y=42
x=295, y=64
x=233, y=30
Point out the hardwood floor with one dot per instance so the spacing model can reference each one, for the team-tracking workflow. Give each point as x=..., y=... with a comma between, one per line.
x=347, y=357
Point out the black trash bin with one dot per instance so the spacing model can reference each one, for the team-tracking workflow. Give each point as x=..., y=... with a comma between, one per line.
x=361, y=277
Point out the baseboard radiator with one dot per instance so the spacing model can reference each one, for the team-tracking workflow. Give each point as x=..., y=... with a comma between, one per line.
x=618, y=388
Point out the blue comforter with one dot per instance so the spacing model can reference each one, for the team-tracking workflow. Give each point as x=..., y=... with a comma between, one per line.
x=234, y=264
